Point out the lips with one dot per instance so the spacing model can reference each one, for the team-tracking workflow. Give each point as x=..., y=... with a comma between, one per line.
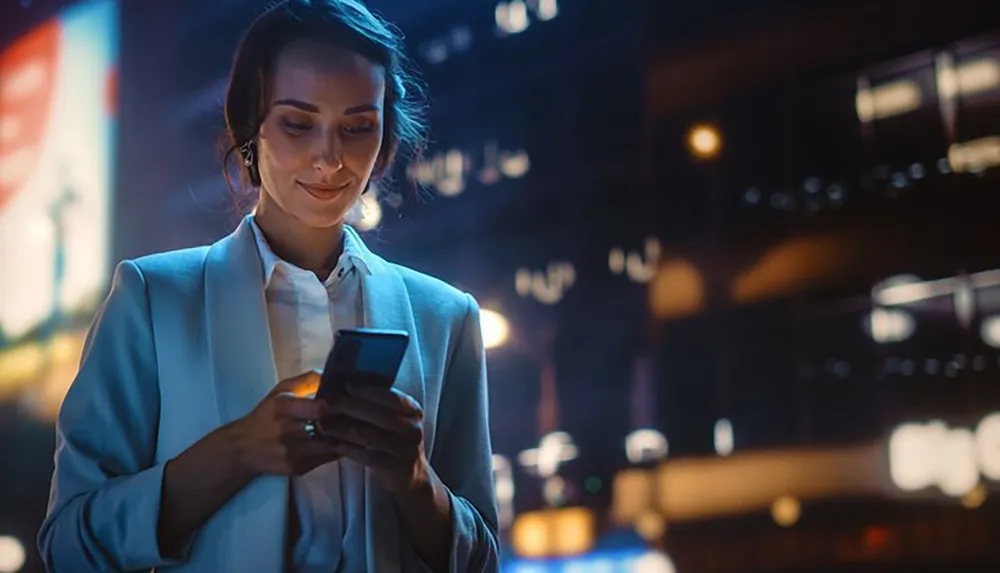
x=323, y=192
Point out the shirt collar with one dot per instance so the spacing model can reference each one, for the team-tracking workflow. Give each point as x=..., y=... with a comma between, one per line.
x=352, y=256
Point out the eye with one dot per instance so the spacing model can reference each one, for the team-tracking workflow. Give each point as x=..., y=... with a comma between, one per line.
x=294, y=126
x=360, y=129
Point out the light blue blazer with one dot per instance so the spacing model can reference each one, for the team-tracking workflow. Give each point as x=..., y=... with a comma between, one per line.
x=180, y=347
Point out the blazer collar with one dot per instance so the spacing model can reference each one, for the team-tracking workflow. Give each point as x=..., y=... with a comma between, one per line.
x=355, y=254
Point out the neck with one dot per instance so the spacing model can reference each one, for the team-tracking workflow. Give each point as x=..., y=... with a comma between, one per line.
x=315, y=249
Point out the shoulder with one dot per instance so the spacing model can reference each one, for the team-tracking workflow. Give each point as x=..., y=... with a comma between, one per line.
x=180, y=270
x=433, y=294
x=182, y=261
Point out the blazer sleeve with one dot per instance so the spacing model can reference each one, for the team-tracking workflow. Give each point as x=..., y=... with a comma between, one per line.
x=463, y=454
x=104, y=500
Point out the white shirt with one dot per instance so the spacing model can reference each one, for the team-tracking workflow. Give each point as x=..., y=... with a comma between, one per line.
x=303, y=313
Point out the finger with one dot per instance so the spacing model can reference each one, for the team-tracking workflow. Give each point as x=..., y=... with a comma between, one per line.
x=369, y=437
x=375, y=414
x=300, y=408
x=293, y=430
x=313, y=448
x=373, y=459
x=302, y=385
x=390, y=398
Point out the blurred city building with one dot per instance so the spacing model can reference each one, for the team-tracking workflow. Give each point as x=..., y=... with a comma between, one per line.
x=736, y=258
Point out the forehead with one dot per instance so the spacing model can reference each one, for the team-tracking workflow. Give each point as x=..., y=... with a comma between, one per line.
x=326, y=75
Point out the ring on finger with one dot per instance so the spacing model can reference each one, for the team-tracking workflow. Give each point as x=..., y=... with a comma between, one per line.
x=311, y=429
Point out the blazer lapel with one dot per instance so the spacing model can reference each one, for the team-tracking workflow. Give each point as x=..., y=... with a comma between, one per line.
x=243, y=372
x=238, y=333
x=386, y=304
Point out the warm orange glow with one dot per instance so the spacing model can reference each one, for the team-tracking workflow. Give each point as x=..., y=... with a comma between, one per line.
x=308, y=386
x=677, y=290
x=792, y=266
x=553, y=533
x=41, y=373
x=574, y=531
x=633, y=492
x=688, y=489
x=975, y=498
x=530, y=534
x=786, y=511
x=651, y=526
x=704, y=141
x=974, y=156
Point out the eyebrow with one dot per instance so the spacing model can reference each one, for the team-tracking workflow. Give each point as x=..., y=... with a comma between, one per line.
x=305, y=106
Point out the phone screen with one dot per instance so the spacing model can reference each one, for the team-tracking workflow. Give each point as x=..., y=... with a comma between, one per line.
x=363, y=355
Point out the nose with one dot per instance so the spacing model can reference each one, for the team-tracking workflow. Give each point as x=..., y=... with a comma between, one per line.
x=329, y=157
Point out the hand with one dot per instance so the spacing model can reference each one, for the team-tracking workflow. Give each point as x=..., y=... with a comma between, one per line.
x=381, y=428
x=272, y=438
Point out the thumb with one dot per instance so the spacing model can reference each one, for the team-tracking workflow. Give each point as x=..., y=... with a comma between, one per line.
x=304, y=385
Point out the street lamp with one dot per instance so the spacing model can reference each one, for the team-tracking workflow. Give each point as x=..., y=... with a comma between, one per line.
x=496, y=328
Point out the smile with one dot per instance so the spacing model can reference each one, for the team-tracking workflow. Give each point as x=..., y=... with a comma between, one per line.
x=323, y=193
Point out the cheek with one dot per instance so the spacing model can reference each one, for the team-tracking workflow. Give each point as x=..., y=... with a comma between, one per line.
x=365, y=154
x=285, y=155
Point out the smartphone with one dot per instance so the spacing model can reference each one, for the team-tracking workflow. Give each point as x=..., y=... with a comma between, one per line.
x=364, y=355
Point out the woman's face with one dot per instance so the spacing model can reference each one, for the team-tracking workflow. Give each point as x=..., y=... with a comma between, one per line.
x=322, y=134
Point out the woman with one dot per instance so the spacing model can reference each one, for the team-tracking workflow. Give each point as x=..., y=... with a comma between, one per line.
x=177, y=446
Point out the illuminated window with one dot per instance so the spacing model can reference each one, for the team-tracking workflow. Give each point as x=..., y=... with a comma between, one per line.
x=449, y=172
x=514, y=16
x=952, y=459
x=547, y=287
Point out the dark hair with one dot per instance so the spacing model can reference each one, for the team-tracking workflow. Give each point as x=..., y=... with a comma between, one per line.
x=346, y=24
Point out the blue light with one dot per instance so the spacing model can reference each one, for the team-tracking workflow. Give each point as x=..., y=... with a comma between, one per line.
x=622, y=561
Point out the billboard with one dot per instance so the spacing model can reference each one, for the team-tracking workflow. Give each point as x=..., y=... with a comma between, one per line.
x=57, y=108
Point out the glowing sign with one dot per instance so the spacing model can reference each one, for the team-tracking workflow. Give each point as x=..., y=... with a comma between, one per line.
x=448, y=171
x=55, y=166
x=553, y=451
x=547, y=287
x=646, y=445
x=57, y=114
x=640, y=267
x=952, y=459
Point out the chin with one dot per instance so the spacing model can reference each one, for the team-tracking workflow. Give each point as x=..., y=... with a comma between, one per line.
x=318, y=220
x=322, y=216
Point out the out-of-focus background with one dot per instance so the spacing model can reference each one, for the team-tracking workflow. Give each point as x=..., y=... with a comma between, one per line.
x=740, y=260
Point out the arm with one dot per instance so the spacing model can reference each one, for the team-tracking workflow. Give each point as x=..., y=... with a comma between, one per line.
x=104, y=501
x=196, y=484
x=111, y=507
x=459, y=502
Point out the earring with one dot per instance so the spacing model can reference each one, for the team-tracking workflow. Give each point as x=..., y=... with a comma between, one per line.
x=246, y=150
